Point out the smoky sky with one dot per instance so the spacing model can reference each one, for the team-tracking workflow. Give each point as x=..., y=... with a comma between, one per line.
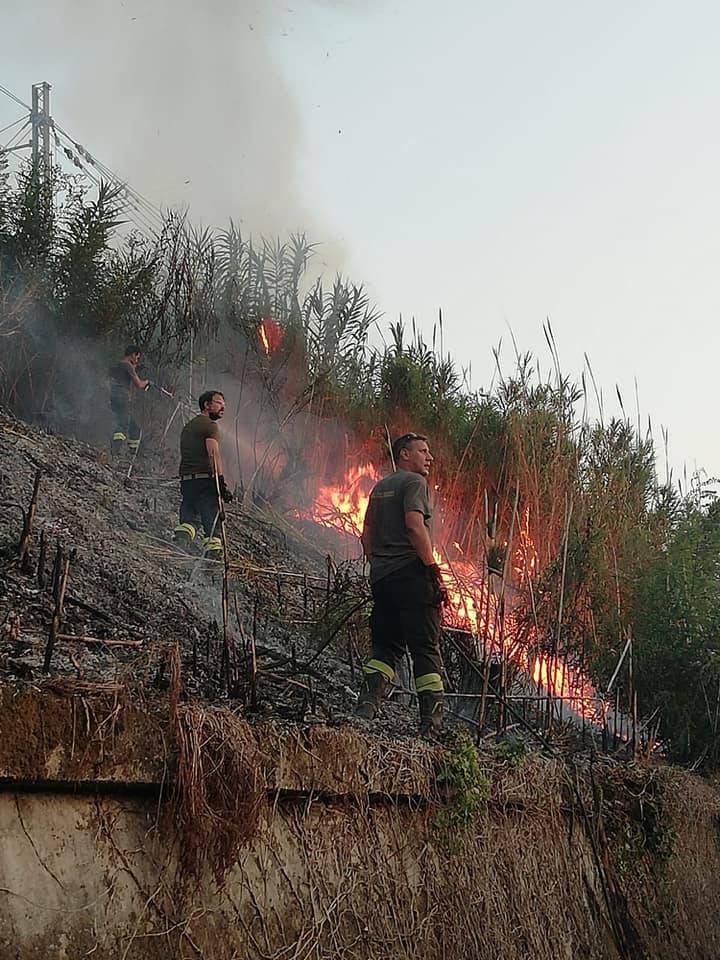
x=181, y=99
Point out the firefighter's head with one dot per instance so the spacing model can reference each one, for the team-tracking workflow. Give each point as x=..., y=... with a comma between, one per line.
x=212, y=403
x=411, y=452
x=132, y=353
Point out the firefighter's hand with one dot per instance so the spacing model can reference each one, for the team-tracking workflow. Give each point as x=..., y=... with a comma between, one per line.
x=225, y=492
x=442, y=598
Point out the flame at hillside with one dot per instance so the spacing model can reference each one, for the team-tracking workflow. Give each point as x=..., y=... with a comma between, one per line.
x=478, y=601
x=343, y=507
x=270, y=335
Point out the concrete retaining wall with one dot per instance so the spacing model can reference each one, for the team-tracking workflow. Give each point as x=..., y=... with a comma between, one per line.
x=343, y=865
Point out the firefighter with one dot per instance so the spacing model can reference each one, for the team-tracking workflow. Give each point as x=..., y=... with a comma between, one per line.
x=201, y=476
x=406, y=584
x=123, y=379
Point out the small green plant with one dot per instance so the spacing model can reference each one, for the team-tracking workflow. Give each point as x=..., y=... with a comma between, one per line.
x=513, y=751
x=467, y=790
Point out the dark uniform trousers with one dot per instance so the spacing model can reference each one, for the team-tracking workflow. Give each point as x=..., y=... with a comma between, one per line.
x=199, y=499
x=124, y=426
x=406, y=615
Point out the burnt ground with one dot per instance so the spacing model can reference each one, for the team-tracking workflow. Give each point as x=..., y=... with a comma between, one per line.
x=132, y=598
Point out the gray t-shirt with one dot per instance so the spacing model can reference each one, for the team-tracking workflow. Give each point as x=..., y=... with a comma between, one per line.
x=390, y=500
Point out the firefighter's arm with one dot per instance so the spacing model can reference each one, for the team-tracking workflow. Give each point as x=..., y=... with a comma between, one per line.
x=420, y=539
x=365, y=538
x=419, y=536
x=139, y=383
x=213, y=449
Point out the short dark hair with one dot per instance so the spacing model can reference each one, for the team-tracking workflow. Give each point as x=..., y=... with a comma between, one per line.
x=403, y=442
x=207, y=397
x=130, y=349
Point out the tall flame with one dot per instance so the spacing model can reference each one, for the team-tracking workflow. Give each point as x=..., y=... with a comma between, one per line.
x=270, y=335
x=344, y=506
x=474, y=600
x=262, y=334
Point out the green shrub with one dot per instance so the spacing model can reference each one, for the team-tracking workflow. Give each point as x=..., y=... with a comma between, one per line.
x=467, y=790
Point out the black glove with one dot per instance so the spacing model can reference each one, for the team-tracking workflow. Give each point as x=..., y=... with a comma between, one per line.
x=441, y=597
x=225, y=493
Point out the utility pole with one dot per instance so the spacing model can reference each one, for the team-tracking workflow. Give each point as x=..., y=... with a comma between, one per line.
x=41, y=123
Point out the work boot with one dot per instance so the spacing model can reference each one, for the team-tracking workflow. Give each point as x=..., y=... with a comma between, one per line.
x=213, y=549
x=432, y=704
x=372, y=691
x=184, y=535
x=118, y=445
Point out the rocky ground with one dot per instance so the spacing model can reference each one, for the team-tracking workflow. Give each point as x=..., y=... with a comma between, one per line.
x=296, y=617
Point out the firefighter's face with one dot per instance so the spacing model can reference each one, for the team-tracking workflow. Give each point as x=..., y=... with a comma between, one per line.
x=416, y=457
x=216, y=407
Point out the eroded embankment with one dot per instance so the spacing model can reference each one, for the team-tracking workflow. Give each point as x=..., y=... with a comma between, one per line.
x=324, y=843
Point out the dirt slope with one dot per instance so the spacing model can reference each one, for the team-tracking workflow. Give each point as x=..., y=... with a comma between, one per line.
x=128, y=583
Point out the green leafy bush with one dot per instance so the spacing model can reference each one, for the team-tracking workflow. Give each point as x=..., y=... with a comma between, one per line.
x=467, y=790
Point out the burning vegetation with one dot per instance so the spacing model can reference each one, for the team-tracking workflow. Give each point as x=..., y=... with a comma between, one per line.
x=478, y=600
x=578, y=579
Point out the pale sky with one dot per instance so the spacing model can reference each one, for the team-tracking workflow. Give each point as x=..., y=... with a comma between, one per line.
x=507, y=161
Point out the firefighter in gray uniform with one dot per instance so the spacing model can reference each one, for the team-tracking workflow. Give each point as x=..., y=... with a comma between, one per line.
x=406, y=584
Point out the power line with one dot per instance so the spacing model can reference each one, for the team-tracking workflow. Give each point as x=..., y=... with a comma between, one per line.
x=151, y=214
x=147, y=222
x=109, y=173
x=12, y=96
x=9, y=125
x=18, y=133
x=130, y=208
x=142, y=212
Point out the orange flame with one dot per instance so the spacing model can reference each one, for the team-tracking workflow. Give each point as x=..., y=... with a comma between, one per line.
x=343, y=507
x=473, y=600
x=270, y=335
x=262, y=334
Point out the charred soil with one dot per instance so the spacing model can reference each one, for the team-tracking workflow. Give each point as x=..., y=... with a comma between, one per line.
x=294, y=636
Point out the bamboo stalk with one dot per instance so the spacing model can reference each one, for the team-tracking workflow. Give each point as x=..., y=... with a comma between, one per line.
x=41, y=561
x=57, y=615
x=28, y=521
x=250, y=655
x=633, y=700
x=57, y=565
x=98, y=640
x=242, y=567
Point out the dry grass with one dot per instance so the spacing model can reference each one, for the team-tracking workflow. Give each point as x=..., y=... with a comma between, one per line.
x=219, y=788
x=349, y=864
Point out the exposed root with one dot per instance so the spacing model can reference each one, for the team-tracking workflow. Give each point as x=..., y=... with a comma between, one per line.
x=220, y=788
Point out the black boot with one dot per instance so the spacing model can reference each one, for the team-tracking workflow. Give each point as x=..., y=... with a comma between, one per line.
x=372, y=691
x=432, y=705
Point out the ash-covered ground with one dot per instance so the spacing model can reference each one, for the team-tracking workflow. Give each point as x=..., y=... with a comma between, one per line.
x=295, y=634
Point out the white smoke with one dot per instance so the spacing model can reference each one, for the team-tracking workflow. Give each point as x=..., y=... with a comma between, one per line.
x=183, y=100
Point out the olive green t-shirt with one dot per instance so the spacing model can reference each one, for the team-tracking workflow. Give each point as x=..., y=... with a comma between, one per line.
x=193, y=452
x=390, y=499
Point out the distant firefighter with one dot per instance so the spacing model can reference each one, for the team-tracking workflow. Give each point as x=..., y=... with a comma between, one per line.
x=202, y=483
x=406, y=583
x=123, y=379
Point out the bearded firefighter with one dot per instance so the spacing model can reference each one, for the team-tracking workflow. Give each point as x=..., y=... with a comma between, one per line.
x=201, y=476
x=406, y=584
